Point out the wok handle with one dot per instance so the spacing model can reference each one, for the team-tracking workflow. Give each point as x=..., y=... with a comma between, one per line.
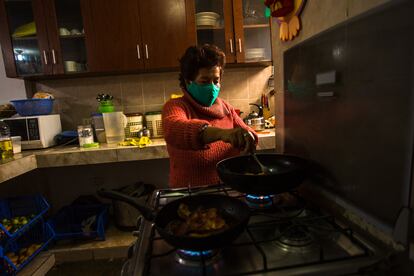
x=147, y=213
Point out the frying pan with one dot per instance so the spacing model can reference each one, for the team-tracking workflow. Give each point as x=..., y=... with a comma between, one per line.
x=235, y=212
x=240, y=173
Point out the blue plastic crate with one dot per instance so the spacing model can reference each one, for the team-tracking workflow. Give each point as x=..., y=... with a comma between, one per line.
x=18, y=207
x=40, y=234
x=71, y=222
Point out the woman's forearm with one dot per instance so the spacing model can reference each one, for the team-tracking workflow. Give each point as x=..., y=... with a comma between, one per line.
x=211, y=134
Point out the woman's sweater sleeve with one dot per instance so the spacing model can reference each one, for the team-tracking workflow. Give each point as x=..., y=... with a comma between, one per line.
x=179, y=130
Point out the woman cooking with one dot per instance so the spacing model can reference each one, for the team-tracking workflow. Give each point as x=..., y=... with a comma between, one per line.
x=200, y=128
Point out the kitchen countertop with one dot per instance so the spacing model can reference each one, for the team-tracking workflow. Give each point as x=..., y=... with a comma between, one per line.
x=73, y=156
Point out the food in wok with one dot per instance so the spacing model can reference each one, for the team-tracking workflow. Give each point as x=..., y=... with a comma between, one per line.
x=201, y=222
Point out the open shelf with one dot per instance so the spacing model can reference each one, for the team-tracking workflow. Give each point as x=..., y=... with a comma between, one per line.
x=24, y=38
x=256, y=26
x=72, y=36
x=209, y=28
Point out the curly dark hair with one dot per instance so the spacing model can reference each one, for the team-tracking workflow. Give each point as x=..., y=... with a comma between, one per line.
x=196, y=57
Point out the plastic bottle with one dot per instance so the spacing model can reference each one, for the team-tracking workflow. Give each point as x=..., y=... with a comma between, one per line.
x=6, y=146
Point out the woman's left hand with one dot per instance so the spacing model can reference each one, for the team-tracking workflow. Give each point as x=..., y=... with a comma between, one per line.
x=240, y=138
x=237, y=137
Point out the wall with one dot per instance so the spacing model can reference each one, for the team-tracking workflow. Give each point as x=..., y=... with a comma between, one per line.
x=317, y=16
x=147, y=92
x=10, y=89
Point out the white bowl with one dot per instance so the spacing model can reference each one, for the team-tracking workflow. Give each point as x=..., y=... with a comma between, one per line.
x=208, y=15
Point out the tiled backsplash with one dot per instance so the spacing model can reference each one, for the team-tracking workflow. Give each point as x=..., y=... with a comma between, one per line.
x=75, y=98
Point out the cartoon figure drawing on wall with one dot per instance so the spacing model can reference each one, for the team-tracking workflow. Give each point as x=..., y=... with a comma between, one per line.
x=287, y=14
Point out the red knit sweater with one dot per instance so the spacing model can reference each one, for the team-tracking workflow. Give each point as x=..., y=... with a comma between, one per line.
x=191, y=162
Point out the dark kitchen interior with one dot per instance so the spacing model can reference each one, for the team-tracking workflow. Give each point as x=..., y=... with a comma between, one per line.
x=101, y=181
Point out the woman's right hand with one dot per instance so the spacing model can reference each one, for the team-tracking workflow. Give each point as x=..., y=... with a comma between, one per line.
x=237, y=137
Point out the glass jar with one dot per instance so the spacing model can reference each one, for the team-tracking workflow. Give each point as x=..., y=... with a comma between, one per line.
x=6, y=146
x=85, y=134
x=134, y=125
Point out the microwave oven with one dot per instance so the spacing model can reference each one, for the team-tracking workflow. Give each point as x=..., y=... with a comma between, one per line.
x=37, y=132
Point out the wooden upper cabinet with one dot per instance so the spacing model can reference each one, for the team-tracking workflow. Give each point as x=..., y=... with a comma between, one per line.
x=136, y=34
x=164, y=31
x=252, y=31
x=55, y=37
x=113, y=35
x=23, y=38
x=66, y=36
x=32, y=42
x=214, y=25
x=241, y=28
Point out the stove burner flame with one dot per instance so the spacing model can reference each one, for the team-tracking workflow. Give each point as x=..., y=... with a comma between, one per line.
x=262, y=198
x=196, y=258
x=190, y=253
x=259, y=202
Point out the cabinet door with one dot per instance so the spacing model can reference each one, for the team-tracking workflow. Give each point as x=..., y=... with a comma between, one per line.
x=214, y=24
x=164, y=32
x=23, y=38
x=252, y=31
x=66, y=36
x=112, y=31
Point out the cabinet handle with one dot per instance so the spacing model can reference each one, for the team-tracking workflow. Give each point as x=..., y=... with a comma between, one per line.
x=240, y=45
x=53, y=56
x=146, y=51
x=231, y=45
x=138, y=52
x=45, y=56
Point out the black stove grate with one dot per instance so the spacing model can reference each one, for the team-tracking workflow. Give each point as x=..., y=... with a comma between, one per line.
x=278, y=217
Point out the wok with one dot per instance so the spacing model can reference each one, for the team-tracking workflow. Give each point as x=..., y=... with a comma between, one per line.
x=240, y=173
x=235, y=212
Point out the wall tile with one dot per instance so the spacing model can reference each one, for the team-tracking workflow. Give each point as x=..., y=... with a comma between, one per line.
x=171, y=84
x=234, y=84
x=76, y=98
x=258, y=78
x=153, y=89
x=131, y=89
x=134, y=109
x=243, y=105
x=153, y=107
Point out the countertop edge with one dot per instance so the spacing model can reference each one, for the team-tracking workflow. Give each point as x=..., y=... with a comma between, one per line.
x=17, y=167
x=74, y=156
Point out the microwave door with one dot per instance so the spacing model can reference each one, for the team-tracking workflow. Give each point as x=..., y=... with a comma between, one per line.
x=18, y=127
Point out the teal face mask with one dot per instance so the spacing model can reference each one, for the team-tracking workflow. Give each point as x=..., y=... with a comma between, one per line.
x=204, y=94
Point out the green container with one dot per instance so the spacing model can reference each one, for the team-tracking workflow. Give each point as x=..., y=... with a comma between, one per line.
x=106, y=106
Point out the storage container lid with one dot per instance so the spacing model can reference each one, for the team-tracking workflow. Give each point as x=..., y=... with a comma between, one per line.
x=153, y=113
x=133, y=114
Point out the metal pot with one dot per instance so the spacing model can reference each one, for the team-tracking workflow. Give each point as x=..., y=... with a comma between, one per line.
x=256, y=120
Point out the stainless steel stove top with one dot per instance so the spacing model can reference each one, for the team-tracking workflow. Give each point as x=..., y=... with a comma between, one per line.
x=284, y=235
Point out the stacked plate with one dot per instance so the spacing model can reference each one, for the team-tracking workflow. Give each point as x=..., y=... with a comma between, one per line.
x=207, y=19
x=255, y=53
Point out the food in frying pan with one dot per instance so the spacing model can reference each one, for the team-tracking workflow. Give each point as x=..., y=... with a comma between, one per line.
x=202, y=222
x=250, y=173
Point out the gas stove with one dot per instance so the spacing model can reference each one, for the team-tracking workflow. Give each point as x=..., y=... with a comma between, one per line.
x=284, y=235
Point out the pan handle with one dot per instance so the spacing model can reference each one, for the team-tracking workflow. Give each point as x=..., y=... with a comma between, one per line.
x=147, y=213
